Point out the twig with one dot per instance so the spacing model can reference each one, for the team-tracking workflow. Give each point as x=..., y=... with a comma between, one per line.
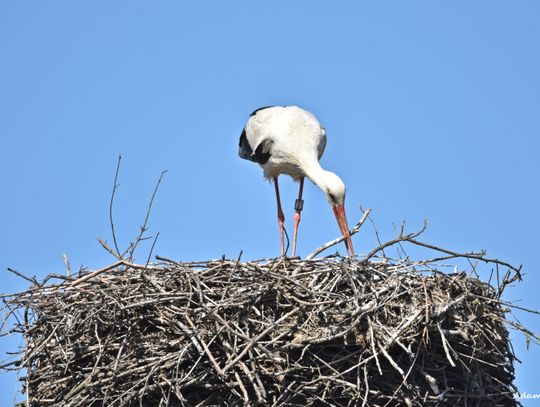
x=254, y=340
x=66, y=262
x=18, y=273
x=400, y=238
x=392, y=361
x=340, y=239
x=144, y=227
x=88, y=276
x=108, y=248
x=115, y=186
x=475, y=256
x=151, y=249
x=445, y=346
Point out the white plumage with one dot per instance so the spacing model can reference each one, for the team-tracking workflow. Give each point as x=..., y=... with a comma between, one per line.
x=290, y=140
x=292, y=135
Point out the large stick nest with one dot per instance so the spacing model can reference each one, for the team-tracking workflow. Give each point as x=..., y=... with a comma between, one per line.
x=275, y=332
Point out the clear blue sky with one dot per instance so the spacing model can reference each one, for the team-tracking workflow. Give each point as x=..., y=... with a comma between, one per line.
x=432, y=110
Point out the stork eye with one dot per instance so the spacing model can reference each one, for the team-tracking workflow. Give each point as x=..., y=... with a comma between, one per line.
x=332, y=197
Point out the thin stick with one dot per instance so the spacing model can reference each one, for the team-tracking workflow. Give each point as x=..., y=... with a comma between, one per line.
x=152, y=249
x=115, y=185
x=256, y=339
x=31, y=280
x=400, y=238
x=340, y=239
x=475, y=256
x=108, y=248
x=66, y=262
x=95, y=273
x=144, y=227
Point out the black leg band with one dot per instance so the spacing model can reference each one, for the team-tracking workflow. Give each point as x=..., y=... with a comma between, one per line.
x=299, y=205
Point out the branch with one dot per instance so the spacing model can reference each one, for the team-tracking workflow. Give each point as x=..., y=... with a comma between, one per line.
x=117, y=254
x=340, y=239
x=95, y=273
x=152, y=249
x=106, y=246
x=18, y=273
x=411, y=238
x=474, y=256
x=400, y=238
x=139, y=238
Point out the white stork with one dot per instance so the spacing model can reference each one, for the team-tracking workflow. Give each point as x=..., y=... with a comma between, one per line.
x=289, y=140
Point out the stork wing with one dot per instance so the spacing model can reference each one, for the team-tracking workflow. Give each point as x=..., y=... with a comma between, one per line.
x=262, y=149
x=322, y=143
x=261, y=154
x=244, y=149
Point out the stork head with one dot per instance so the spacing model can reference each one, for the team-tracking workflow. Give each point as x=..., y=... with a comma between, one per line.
x=334, y=189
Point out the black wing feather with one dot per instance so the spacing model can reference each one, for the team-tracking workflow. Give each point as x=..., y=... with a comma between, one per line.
x=244, y=149
x=261, y=156
x=259, y=109
x=246, y=152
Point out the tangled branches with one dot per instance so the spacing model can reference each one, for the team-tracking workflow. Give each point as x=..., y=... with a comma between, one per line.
x=276, y=332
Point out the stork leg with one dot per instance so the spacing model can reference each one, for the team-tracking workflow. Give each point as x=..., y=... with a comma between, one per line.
x=281, y=217
x=298, y=206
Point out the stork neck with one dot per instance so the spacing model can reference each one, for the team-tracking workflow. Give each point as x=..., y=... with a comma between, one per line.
x=317, y=175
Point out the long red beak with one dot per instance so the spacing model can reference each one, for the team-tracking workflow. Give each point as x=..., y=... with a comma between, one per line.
x=339, y=212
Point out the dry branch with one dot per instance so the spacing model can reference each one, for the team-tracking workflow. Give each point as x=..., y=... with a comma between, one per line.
x=340, y=239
